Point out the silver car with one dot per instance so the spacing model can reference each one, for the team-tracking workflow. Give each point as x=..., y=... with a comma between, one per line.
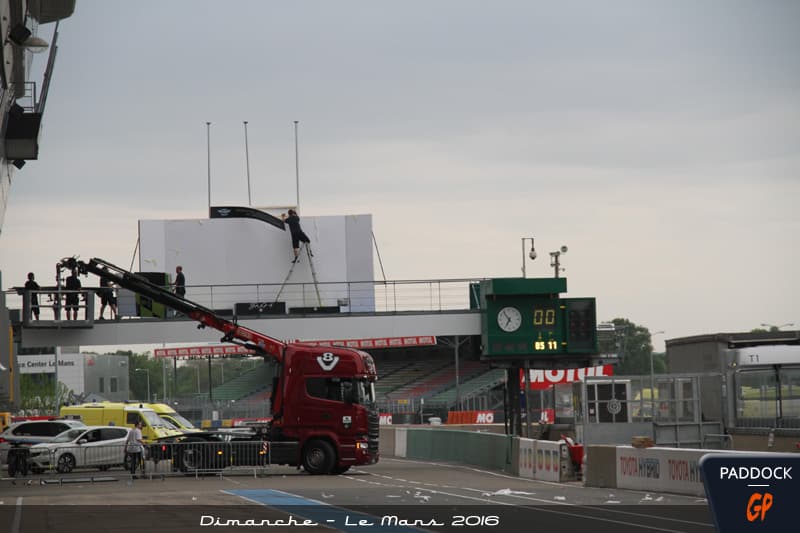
x=93, y=447
x=30, y=432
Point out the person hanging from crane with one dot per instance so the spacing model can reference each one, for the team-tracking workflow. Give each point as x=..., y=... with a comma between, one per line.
x=298, y=235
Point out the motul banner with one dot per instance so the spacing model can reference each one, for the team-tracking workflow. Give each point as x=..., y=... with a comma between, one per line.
x=544, y=379
x=202, y=351
x=484, y=417
x=386, y=342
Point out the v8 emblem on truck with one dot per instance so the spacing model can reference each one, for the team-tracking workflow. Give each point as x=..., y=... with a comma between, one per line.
x=327, y=361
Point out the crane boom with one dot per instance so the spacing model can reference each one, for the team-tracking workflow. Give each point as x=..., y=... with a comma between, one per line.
x=232, y=332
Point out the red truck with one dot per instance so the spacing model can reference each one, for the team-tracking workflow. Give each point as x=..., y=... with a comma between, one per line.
x=324, y=415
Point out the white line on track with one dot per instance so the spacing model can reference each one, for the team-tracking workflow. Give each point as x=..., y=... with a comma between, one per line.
x=545, y=510
x=527, y=497
x=692, y=499
x=17, y=516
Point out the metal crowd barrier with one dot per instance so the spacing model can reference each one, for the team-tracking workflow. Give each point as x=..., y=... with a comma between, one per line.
x=160, y=459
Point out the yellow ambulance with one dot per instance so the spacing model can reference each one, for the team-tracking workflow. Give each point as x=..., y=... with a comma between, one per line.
x=124, y=415
x=173, y=417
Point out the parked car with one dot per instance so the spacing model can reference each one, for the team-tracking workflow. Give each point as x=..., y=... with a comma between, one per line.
x=30, y=432
x=94, y=446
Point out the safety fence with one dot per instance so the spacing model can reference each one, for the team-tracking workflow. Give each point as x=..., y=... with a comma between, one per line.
x=157, y=459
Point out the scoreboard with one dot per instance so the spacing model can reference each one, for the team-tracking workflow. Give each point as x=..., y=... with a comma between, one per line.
x=538, y=325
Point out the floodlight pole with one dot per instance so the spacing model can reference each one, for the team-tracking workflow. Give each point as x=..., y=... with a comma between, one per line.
x=208, y=151
x=247, y=160
x=297, y=164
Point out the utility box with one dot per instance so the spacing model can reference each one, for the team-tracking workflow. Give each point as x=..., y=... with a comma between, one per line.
x=145, y=307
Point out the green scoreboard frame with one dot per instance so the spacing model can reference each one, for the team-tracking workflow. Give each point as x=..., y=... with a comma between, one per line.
x=533, y=325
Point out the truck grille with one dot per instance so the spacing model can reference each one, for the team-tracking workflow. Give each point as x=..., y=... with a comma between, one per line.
x=374, y=421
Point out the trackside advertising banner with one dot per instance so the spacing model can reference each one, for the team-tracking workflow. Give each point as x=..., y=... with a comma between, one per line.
x=757, y=492
x=544, y=379
x=225, y=350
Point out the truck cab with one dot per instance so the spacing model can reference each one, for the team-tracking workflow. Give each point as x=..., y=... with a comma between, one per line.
x=326, y=402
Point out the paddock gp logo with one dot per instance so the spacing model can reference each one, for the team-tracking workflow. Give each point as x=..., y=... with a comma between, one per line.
x=752, y=492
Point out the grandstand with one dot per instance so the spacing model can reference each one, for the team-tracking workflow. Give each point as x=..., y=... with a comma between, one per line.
x=404, y=379
x=430, y=376
x=439, y=378
x=479, y=384
x=407, y=375
x=256, y=381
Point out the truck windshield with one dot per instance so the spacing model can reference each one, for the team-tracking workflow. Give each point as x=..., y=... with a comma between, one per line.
x=365, y=392
x=359, y=391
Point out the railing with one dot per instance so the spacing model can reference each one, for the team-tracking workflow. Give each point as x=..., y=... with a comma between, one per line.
x=182, y=458
x=56, y=304
x=347, y=297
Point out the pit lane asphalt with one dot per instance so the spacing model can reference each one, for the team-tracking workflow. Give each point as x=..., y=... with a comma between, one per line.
x=392, y=483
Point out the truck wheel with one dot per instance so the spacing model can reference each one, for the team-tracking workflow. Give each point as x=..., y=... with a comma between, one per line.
x=319, y=457
x=340, y=469
x=192, y=457
x=66, y=463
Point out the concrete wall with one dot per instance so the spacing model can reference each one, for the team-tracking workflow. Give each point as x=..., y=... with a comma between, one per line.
x=657, y=469
x=386, y=445
x=486, y=450
x=599, y=469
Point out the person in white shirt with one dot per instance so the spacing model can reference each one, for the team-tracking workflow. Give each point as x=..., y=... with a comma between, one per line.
x=134, y=447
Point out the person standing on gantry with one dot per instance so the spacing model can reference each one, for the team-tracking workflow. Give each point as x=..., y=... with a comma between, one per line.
x=32, y=286
x=180, y=282
x=298, y=235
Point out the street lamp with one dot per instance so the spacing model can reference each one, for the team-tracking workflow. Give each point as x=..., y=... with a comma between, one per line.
x=776, y=328
x=148, y=381
x=531, y=254
x=554, y=259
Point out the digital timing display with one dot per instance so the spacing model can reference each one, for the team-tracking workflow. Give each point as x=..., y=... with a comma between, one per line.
x=541, y=326
x=545, y=324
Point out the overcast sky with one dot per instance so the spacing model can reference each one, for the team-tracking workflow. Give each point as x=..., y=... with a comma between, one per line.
x=660, y=141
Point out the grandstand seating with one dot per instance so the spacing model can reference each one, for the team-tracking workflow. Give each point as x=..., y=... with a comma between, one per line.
x=398, y=380
x=257, y=380
x=443, y=378
x=409, y=376
x=479, y=384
